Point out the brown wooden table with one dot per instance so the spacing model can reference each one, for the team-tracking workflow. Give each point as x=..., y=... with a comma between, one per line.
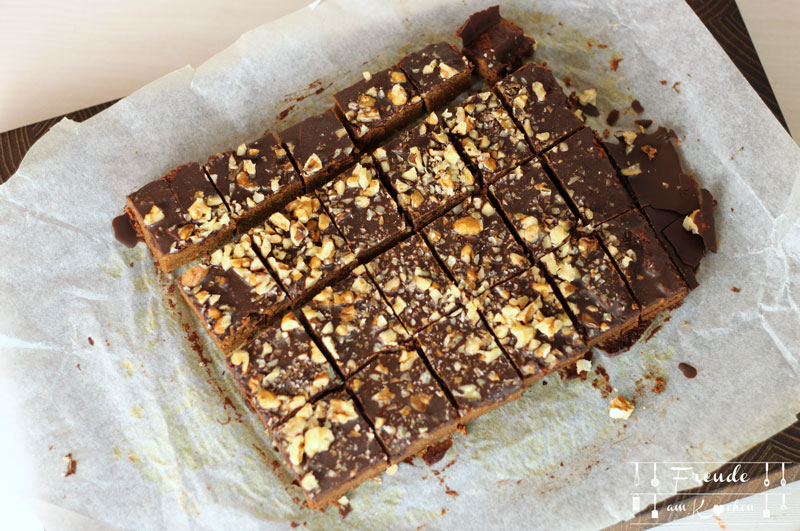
x=724, y=21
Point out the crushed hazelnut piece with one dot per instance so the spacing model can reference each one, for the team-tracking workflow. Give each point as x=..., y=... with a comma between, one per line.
x=620, y=408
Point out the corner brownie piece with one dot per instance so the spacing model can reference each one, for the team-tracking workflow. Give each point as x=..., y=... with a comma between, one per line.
x=255, y=180
x=471, y=364
x=320, y=146
x=363, y=210
x=439, y=72
x=425, y=171
x=232, y=293
x=647, y=267
x=181, y=216
x=330, y=448
x=353, y=321
x=303, y=247
x=378, y=105
x=158, y=216
x=404, y=402
x=281, y=370
x=476, y=246
x=414, y=284
x=584, y=171
x=495, y=45
x=652, y=169
x=531, y=325
x=535, y=208
x=539, y=105
x=594, y=290
x=488, y=135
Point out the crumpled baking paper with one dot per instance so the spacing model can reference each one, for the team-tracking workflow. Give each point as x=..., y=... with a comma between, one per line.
x=97, y=361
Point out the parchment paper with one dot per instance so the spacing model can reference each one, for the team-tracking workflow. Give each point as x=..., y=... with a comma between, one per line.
x=165, y=442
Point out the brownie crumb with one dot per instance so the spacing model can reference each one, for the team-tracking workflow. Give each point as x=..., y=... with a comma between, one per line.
x=735, y=289
x=687, y=370
x=91, y=341
x=72, y=465
x=664, y=82
x=614, y=63
x=637, y=107
x=659, y=386
x=436, y=452
x=675, y=87
x=643, y=123
x=612, y=117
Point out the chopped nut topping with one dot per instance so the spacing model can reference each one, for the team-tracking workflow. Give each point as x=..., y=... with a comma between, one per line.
x=193, y=276
x=446, y=71
x=313, y=164
x=398, y=95
x=468, y=226
x=154, y=216
x=538, y=89
x=620, y=408
x=309, y=482
x=240, y=358
x=341, y=411
x=317, y=439
x=397, y=77
x=689, y=223
x=589, y=97
x=630, y=171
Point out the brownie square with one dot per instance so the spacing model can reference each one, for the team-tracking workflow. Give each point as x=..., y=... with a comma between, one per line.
x=404, y=402
x=594, y=290
x=414, y=284
x=471, y=364
x=378, y=105
x=495, y=45
x=531, y=325
x=425, y=171
x=488, y=135
x=303, y=248
x=363, y=210
x=255, y=180
x=535, y=208
x=181, y=217
x=281, y=370
x=232, y=293
x=539, y=105
x=439, y=72
x=330, y=448
x=476, y=246
x=159, y=217
x=320, y=147
x=353, y=321
x=584, y=171
x=647, y=267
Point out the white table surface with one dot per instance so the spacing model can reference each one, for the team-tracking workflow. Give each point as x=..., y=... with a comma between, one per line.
x=57, y=57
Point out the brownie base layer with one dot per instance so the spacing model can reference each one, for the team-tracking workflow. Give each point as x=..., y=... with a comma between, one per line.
x=631, y=323
x=332, y=496
x=423, y=444
x=469, y=416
